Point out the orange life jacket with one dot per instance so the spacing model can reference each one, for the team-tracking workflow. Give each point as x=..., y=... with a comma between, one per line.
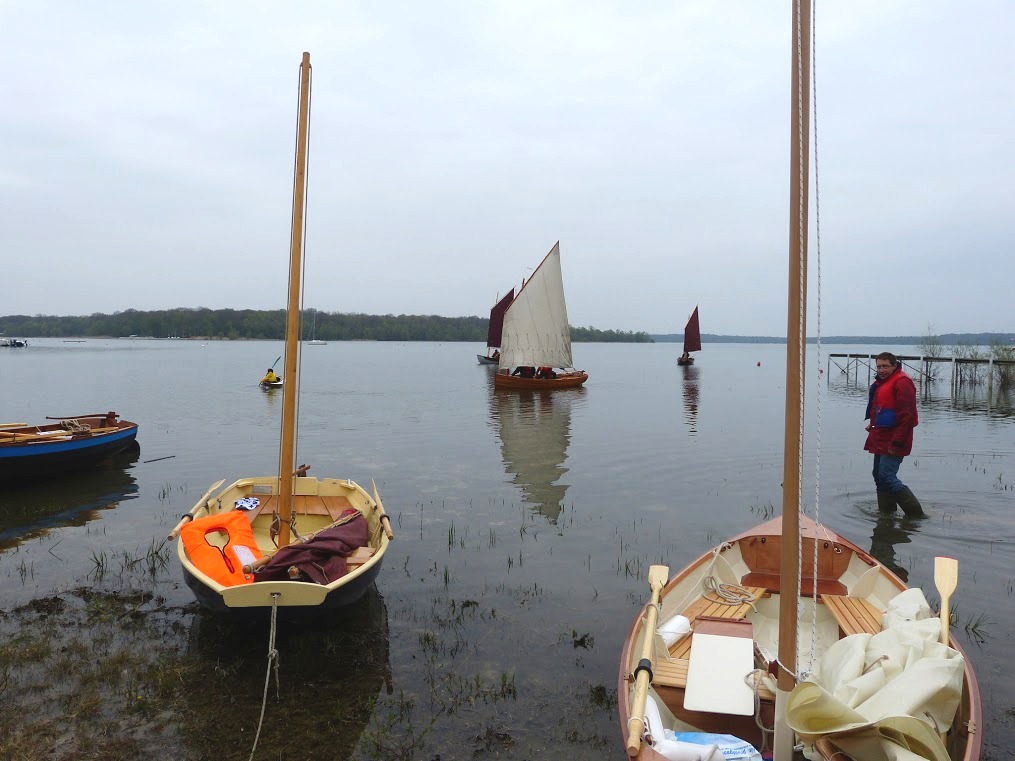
x=223, y=565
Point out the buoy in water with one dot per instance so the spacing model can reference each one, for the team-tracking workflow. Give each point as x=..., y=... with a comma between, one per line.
x=759, y=364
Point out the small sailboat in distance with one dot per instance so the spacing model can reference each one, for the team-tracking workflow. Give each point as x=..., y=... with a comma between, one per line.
x=495, y=330
x=285, y=539
x=536, y=334
x=692, y=339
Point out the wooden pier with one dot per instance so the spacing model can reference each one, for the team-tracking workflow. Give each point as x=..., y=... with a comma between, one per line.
x=921, y=368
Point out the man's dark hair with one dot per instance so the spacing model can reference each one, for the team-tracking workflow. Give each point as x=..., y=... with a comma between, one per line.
x=889, y=356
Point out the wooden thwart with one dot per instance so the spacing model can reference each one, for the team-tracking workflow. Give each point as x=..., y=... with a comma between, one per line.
x=303, y=504
x=853, y=614
x=706, y=607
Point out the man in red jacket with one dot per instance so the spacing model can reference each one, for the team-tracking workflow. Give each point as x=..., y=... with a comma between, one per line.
x=891, y=415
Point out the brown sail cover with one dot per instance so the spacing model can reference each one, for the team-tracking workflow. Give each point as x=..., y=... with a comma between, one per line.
x=497, y=319
x=320, y=559
x=692, y=335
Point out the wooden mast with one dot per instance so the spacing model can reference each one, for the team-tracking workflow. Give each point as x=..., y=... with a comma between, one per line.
x=287, y=460
x=795, y=357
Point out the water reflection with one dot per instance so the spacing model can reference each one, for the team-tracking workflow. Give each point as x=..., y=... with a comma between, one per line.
x=974, y=399
x=890, y=530
x=331, y=671
x=535, y=431
x=690, y=386
x=33, y=509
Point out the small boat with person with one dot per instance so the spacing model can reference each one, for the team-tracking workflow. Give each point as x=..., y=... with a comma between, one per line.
x=285, y=539
x=535, y=351
x=495, y=330
x=692, y=339
x=72, y=443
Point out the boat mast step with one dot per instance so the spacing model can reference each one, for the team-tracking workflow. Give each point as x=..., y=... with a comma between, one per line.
x=722, y=655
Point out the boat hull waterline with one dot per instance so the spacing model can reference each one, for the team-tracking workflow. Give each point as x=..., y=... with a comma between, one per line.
x=563, y=380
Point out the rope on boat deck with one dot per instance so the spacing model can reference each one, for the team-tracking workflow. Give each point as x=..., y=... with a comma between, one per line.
x=727, y=594
x=272, y=661
x=754, y=680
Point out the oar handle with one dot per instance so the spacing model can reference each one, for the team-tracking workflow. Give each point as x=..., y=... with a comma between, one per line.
x=635, y=723
x=194, y=510
x=385, y=520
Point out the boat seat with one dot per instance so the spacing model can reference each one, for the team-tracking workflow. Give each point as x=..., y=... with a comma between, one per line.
x=773, y=581
x=303, y=504
x=360, y=556
x=706, y=607
x=854, y=615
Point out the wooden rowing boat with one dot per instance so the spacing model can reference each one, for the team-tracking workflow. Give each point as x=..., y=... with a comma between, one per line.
x=55, y=449
x=563, y=380
x=851, y=593
x=287, y=539
x=755, y=602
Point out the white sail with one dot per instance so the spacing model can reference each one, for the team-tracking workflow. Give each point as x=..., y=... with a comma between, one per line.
x=536, y=332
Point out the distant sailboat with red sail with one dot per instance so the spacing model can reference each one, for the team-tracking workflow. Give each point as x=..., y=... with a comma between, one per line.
x=493, y=333
x=692, y=339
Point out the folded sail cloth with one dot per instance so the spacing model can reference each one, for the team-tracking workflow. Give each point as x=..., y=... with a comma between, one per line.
x=887, y=696
x=320, y=559
x=247, y=503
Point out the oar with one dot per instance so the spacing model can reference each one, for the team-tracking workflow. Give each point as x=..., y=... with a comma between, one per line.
x=13, y=425
x=946, y=578
x=657, y=576
x=193, y=511
x=385, y=520
x=276, y=361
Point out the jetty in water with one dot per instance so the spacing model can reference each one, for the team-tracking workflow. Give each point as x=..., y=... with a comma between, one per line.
x=923, y=369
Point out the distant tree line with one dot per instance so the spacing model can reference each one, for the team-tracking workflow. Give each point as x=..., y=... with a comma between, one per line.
x=974, y=339
x=233, y=324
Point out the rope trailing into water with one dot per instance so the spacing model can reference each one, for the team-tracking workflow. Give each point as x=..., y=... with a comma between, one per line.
x=272, y=661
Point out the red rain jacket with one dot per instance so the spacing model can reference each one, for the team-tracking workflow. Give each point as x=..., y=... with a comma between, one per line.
x=891, y=409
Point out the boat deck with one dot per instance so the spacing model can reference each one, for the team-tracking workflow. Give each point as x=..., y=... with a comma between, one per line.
x=303, y=504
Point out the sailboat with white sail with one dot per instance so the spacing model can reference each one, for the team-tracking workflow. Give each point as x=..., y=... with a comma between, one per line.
x=285, y=539
x=536, y=336
x=314, y=340
x=887, y=679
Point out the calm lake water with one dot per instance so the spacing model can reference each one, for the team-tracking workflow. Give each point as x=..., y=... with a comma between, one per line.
x=525, y=523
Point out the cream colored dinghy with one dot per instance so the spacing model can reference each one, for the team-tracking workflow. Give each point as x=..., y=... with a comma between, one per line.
x=317, y=505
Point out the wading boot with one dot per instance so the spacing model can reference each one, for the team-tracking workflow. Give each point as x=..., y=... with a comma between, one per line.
x=886, y=502
x=909, y=503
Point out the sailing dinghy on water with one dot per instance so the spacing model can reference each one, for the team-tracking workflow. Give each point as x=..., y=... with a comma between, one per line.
x=692, y=339
x=887, y=683
x=286, y=540
x=536, y=333
x=494, y=331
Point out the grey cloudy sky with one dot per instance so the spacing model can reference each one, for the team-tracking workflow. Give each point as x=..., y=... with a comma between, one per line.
x=146, y=154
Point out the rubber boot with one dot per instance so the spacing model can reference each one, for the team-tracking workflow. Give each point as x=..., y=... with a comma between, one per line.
x=886, y=502
x=909, y=503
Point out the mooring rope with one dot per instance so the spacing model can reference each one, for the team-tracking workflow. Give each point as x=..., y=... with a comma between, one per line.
x=272, y=661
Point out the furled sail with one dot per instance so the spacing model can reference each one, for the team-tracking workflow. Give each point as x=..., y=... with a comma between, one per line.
x=493, y=334
x=536, y=331
x=692, y=334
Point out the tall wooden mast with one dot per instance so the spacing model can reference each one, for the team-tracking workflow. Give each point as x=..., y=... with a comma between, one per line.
x=287, y=458
x=795, y=357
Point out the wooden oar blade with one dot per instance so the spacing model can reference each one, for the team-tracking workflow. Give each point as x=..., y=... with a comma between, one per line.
x=658, y=575
x=946, y=575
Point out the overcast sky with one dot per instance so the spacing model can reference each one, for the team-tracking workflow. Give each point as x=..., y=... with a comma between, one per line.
x=146, y=153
